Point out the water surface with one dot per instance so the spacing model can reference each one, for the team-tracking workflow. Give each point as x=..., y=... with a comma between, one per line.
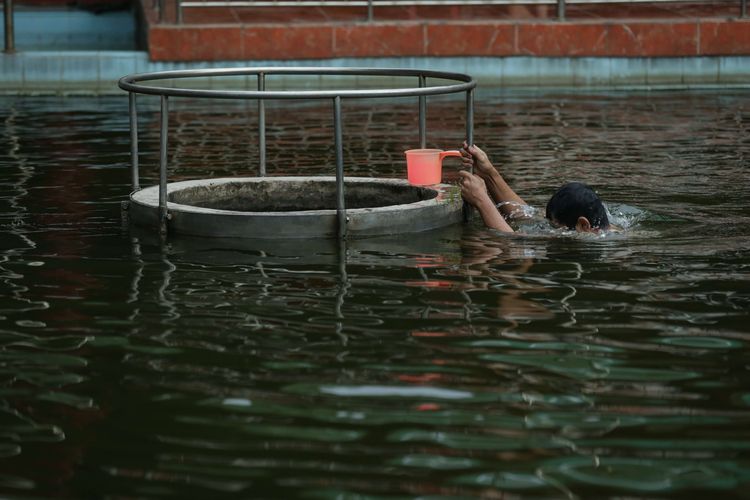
x=453, y=364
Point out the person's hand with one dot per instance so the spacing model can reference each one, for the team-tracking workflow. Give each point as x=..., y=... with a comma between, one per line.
x=474, y=192
x=473, y=188
x=472, y=156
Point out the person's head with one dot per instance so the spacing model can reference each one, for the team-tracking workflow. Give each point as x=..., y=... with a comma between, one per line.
x=577, y=206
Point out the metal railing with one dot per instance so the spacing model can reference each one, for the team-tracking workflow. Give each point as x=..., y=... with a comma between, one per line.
x=132, y=84
x=371, y=4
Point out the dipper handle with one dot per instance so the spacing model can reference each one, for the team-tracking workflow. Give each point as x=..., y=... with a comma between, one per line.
x=452, y=152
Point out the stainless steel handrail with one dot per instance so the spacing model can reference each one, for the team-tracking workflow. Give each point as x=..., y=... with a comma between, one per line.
x=134, y=84
x=131, y=83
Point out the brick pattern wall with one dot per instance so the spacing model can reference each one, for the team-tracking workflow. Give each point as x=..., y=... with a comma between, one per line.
x=454, y=35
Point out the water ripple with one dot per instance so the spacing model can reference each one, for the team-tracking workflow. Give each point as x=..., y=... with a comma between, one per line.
x=458, y=363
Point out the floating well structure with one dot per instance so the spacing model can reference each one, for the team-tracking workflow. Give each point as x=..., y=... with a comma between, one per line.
x=297, y=207
x=292, y=207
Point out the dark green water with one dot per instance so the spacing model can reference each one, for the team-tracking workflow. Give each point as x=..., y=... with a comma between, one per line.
x=454, y=364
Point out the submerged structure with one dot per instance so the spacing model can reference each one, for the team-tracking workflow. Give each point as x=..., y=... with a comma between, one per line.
x=292, y=207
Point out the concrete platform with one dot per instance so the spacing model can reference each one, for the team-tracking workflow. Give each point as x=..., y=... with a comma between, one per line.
x=297, y=207
x=97, y=72
x=67, y=28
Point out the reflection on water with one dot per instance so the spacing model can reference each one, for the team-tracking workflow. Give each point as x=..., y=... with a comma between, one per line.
x=456, y=363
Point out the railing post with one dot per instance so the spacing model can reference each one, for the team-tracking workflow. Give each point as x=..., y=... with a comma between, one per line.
x=370, y=13
x=134, y=142
x=561, y=10
x=743, y=8
x=340, y=197
x=422, y=114
x=470, y=116
x=163, y=164
x=262, y=126
x=469, y=140
x=10, y=45
x=178, y=6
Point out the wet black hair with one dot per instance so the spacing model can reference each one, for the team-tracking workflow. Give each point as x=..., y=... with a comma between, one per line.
x=573, y=200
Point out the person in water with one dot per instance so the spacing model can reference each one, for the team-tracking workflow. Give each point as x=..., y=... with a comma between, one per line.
x=574, y=206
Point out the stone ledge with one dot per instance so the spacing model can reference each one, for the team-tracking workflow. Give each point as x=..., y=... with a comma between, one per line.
x=97, y=72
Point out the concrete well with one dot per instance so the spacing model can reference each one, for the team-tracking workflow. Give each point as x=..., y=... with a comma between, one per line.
x=297, y=207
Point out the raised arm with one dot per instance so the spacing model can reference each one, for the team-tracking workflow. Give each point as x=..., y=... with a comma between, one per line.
x=474, y=191
x=507, y=200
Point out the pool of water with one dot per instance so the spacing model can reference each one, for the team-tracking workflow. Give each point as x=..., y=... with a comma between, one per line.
x=452, y=364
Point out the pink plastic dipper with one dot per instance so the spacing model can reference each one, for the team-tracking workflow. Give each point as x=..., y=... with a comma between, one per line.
x=425, y=166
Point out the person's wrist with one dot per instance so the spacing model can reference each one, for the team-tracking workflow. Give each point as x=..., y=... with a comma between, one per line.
x=492, y=176
x=484, y=173
x=485, y=202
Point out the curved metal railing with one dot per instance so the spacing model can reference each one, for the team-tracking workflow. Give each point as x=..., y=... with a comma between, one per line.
x=135, y=84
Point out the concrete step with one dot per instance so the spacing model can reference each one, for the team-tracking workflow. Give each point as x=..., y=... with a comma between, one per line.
x=69, y=28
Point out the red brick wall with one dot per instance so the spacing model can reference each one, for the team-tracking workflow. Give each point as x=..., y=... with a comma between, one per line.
x=479, y=38
x=627, y=30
